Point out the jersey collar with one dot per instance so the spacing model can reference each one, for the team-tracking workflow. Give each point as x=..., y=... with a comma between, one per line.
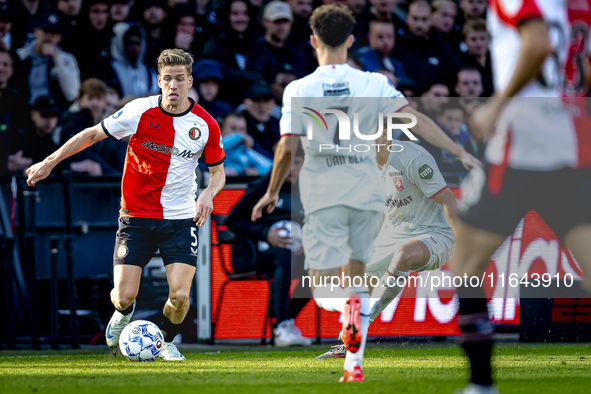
x=191, y=105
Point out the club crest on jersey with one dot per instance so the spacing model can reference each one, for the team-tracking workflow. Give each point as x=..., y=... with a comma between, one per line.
x=398, y=184
x=194, y=133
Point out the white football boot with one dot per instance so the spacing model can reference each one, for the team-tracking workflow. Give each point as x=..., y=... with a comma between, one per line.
x=336, y=351
x=472, y=388
x=170, y=352
x=287, y=335
x=116, y=325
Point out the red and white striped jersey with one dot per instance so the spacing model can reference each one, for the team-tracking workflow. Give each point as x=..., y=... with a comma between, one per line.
x=536, y=131
x=159, y=175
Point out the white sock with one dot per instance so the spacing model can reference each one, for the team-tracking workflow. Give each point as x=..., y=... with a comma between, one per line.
x=332, y=300
x=385, y=293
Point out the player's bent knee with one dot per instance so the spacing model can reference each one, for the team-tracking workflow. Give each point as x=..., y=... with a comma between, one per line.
x=122, y=300
x=179, y=298
x=403, y=261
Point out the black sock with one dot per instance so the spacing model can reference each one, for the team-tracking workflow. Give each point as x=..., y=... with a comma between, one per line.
x=127, y=310
x=477, y=331
x=479, y=354
x=169, y=329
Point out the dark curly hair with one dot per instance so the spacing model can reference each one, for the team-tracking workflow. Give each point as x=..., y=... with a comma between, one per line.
x=332, y=24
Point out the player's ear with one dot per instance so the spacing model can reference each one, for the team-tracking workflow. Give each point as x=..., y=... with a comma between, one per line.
x=314, y=41
x=350, y=40
x=159, y=81
x=190, y=81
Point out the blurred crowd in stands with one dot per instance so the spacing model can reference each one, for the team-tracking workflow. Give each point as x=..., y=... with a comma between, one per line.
x=67, y=64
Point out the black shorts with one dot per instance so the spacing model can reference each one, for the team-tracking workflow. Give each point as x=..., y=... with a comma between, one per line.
x=562, y=198
x=138, y=239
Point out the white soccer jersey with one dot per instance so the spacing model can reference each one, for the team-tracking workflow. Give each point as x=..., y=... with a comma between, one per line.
x=340, y=175
x=159, y=175
x=535, y=131
x=412, y=180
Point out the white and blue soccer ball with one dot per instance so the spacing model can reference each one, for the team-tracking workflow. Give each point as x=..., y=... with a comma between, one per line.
x=141, y=340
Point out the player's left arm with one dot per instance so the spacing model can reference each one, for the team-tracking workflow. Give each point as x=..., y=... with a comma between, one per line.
x=429, y=130
x=450, y=206
x=217, y=180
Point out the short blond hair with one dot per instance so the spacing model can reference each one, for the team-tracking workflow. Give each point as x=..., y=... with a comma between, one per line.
x=175, y=57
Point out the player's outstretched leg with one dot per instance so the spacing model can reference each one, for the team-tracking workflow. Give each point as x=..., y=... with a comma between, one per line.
x=354, y=333
x=126, y=280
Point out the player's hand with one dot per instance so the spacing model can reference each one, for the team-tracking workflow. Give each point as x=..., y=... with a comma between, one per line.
x=276, y=240
x=469, y=161
x=48, y=50
x=483, y=120
x=39, y=171
x=204, y=206
x=269, y=201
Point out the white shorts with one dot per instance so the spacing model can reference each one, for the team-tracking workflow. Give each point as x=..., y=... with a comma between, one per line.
x=336, y=234
x=440, y=248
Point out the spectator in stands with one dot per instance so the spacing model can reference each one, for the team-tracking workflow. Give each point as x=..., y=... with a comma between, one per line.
x=205, y=9
x=275, y=250
x=300, y=30
x=207, y=78
x=120, y=10
x=433, y=99
x=408, y=88
x=469, y=84
x=112, y=102
x=359, y=8
x=281, y=80
x=443, y=19
x=94, y=59
x=451, y=119
x=469, y=9
x=232, y=49
x=272, y=52
x=426, y=57
x=376, y=55
x=87, y=111
x=258, y=105
x=478, y=55
x=5, y=27
x=152, y=14
x=68, y=11
x=14, y=115
x=241, y=159
x=46, y=67
x=188, y=30
x=128, y=49
x=30, y=15
x=381, y=10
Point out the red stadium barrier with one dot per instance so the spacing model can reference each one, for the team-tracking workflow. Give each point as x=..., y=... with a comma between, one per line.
x=533, y=248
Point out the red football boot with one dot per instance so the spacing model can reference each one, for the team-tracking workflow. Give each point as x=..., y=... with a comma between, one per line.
x=351, y=333
x=354, y=376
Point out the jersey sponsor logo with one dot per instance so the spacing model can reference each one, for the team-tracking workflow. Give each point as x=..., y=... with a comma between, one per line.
x=336, y=89
x=398, y=202
x=425, y=172
x=118, y=114
x=194, y=133
x=396, y=173
x=169, y=150
x=154, y=126
x=398, y=184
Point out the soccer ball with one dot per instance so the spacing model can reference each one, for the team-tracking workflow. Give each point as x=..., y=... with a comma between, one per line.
x=141, y=340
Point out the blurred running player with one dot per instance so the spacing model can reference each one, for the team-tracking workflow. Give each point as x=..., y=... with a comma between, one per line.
x=538, y=159
x=343, y=221
x=158, y=209
x=416, y=233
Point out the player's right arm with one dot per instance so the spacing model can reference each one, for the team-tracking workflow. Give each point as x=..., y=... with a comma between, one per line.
x=77, y=143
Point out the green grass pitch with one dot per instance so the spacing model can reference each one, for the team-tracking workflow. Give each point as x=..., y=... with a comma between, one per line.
x=388, y=369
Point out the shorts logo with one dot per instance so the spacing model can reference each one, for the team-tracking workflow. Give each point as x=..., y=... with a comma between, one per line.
x=194, y=133
x=425, y=172
x=122, y=251
x=398, y=183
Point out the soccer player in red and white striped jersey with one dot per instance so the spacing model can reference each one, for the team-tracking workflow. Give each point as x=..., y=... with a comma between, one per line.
x=168, y=133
